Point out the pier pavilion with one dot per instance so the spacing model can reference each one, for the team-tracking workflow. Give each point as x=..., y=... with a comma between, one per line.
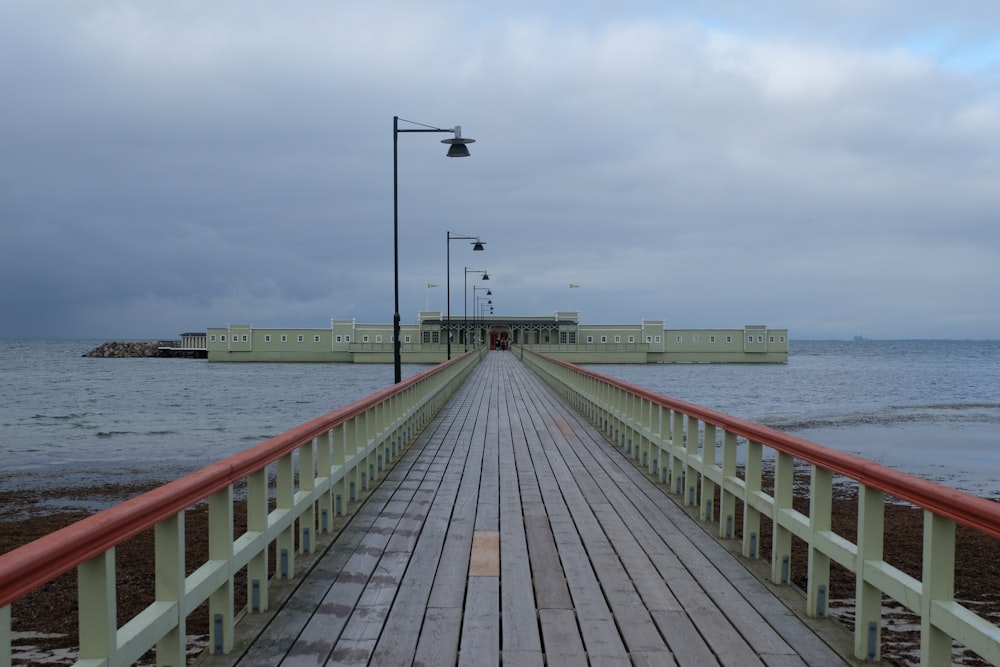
x=561, y=335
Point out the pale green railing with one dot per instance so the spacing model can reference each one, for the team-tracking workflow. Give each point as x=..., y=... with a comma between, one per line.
x=693, y=451
x=319, y=468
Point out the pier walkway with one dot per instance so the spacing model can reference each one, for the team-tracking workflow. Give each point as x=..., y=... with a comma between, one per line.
x=512, y=532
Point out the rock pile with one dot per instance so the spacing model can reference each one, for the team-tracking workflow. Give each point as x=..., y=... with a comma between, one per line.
x=122, y=350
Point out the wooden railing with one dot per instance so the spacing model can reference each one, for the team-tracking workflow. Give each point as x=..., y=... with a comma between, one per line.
x=693, y=452
x=319, y=468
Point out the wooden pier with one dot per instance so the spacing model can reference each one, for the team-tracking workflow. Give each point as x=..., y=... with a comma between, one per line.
x=511, y=532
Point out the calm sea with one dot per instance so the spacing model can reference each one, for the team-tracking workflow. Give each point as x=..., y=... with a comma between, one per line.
x=931, y=408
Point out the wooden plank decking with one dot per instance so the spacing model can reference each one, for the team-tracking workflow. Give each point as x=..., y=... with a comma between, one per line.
x=512, y=533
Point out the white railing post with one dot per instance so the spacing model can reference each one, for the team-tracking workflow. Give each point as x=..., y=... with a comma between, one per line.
x=676, y=447
x=285, y=501
x=220, y=548
x=706, y=507
x=324, y=464
x=751, y=515
x=820, y=521
x=98, y=607
x=307, y=482
x=938, y=585
x=727, y=499
x=692, y=461
x=781, y=536
x=337, y=440
x=257, y=569
x=170, y=573
x=5, y=639
x=868, y=598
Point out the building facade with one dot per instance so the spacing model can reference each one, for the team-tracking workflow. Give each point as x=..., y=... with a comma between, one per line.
x=561, y=335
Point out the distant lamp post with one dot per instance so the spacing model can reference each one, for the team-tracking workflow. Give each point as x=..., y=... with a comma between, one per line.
x=457, y=147
x=477, y=299
x=486, y=276
x=477, y=246
x=427, y=301
x=572, y=286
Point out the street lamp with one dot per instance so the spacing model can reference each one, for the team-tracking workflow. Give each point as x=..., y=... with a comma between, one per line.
x=477, y=246
x=457, y=147
x=476, y=299
x=486, y=276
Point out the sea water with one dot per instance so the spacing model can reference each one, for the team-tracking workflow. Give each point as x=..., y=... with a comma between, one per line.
x=931, y=408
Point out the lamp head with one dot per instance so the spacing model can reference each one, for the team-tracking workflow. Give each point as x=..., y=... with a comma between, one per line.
x=457, y=146
x=486, y=276
x=478, y=245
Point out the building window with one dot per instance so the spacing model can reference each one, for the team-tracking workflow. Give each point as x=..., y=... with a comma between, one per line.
x=378, y=338
x=631, y=339
x=680, y=339
x=316, y=338
x=695, y=339
x=364, y=339
x=618, y=339
x=604, y=339
x=760, y=339
x=567, y=337
x=649, y=339
x=284, y=338
x=340, y=339
x=770, y=339
x=656, y=339
x=347, y=339
x=711, y=339
x=406, y=338
x=781, y=339
x=245, y=338
x=267, y=338
x=212, y=338
x=749, y=339
x=729, y=339
x=430, y=337
x=301, y=338
x=222, y=338
x=590, y=339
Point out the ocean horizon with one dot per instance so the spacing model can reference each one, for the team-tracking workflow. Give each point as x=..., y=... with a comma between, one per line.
x=927, y=407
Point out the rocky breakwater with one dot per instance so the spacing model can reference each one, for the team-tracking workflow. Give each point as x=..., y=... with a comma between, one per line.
x=126, y=349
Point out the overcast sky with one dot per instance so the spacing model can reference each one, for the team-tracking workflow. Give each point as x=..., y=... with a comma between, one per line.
x=831, y=168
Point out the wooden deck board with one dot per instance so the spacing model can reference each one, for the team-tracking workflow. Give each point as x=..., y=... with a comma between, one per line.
x=512, y=532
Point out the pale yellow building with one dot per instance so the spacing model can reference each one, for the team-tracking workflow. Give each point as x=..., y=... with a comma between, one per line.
x=561, y=335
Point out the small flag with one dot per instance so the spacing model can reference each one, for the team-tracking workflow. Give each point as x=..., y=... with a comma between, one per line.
x=572, y=286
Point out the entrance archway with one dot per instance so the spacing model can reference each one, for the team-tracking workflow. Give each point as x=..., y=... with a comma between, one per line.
x=500, y=338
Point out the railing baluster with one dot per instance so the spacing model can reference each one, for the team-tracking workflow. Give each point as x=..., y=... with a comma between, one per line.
x=751, y=515
x=781, y=536
x=939, y=585
x=820, y=521
x=98, y=606
x=170, y=573
x=220, y=548
x=257, y=523
x=868, y=598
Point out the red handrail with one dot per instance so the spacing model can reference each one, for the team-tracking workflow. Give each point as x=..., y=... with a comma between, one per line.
x=964, y=508
x=30, y=566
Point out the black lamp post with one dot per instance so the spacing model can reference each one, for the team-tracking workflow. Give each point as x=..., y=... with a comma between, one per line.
x=476, y=323
x=456, y=148
x=486, y=276
x=477, y=246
